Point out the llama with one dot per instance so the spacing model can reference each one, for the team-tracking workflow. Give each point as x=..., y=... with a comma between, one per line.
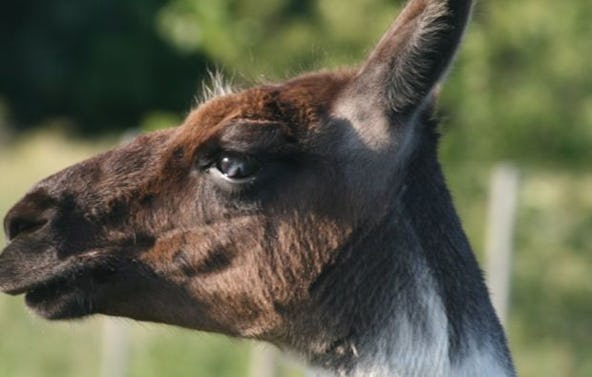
x=310, y=213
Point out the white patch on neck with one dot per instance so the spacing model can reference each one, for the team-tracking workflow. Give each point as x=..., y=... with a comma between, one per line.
x=483, y=363
x=408, y=348
x=411, y=347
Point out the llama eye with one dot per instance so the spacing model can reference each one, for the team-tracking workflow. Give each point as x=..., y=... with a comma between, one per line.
x=237, y=168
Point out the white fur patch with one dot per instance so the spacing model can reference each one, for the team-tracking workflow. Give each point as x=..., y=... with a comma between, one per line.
x=408, y=349
x=482, y=363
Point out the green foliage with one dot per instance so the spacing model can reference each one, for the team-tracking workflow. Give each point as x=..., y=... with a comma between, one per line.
x=276, y=38
x=521, y=89
x=100, y=64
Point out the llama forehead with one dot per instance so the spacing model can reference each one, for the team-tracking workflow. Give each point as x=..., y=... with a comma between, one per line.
x=300, y=104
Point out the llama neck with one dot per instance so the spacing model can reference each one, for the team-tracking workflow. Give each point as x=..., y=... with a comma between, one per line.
x=427, y=312
x=420, y=336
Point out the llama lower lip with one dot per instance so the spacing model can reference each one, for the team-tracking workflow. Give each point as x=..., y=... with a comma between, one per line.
x=57, y=300
x=70, y=294
x=37, y=296
x=46, y=291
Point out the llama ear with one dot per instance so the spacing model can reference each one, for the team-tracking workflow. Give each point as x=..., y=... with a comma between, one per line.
x=413, y=55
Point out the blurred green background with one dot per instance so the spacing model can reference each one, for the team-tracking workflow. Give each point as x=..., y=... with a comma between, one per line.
x=75, y=75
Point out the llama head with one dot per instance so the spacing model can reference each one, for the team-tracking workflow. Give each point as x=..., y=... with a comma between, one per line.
x=231, y=221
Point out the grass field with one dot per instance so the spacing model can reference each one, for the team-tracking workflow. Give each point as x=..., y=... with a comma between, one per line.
x=551, y=310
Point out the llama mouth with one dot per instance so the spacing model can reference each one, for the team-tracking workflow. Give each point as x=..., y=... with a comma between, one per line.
x=74, y=286
x=60, y=289
x=16, y=279
x=59, y=294
x=70, y=294
x=58, y=299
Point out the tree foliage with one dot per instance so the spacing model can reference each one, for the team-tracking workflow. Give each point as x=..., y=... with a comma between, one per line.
x=100, y=64
x=521, y=88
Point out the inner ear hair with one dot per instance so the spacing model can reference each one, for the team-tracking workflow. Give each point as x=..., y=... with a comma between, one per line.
x=414, y=54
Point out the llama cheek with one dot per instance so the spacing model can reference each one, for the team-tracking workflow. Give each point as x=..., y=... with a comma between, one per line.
x=238, y=307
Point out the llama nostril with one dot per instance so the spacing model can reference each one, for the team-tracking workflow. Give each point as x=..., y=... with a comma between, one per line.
x=30, y=214
x=21, y=225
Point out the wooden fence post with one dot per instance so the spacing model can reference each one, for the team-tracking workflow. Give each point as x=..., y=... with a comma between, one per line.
x=115, y=348
x=263, y=361
x=500, y=234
